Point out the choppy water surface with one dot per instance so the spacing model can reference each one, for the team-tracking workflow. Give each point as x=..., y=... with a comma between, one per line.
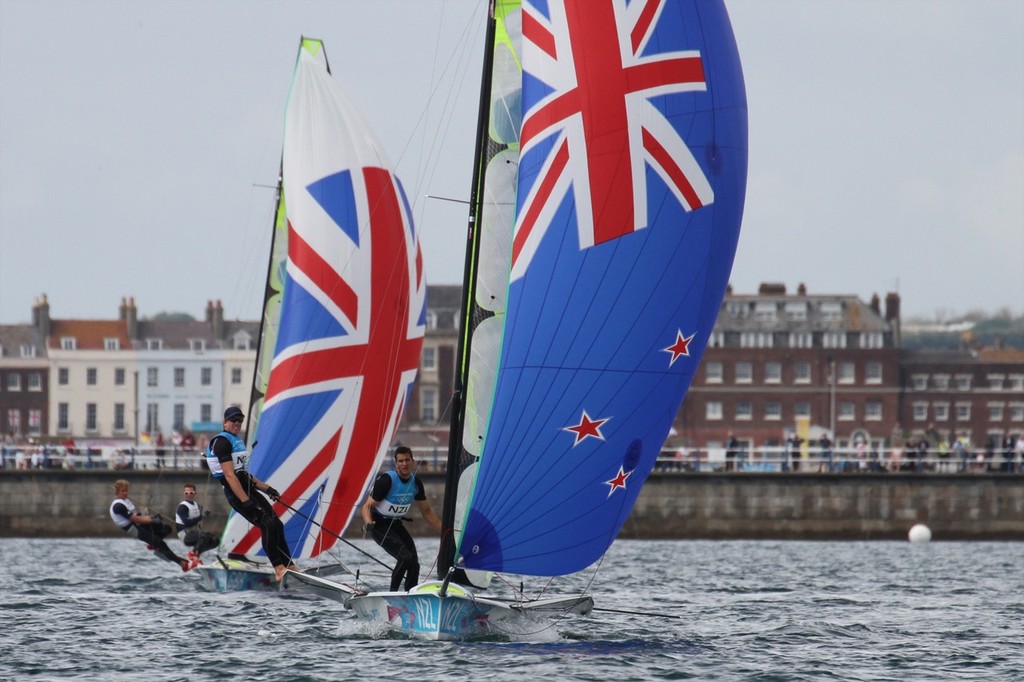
x=107, y=609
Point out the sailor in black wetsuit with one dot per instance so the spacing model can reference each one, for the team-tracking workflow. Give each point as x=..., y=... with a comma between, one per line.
x=390, y=500
x=187, y=519
x=227, y=457
x=150, y=529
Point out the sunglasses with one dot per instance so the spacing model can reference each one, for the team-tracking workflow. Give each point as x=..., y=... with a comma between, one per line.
x=237, y=420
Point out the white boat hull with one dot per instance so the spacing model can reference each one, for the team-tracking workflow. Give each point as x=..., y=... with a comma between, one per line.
x=231, y=575
x=460, y=614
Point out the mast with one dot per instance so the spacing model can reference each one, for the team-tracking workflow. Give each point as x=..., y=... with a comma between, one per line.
x=446, y=556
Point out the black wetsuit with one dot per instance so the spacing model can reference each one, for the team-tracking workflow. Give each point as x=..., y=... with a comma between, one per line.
x=390, y=533
x=261, y=514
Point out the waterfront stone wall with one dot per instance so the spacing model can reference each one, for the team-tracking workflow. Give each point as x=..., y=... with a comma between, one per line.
x=672, y=505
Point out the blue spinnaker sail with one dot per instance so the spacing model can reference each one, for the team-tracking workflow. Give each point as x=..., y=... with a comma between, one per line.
x=631, y=181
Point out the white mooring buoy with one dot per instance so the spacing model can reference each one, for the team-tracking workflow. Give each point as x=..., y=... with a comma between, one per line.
x=920, y=533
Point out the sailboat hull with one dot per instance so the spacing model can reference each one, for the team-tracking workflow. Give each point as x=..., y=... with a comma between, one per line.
x=461, y=615
x=237, y=576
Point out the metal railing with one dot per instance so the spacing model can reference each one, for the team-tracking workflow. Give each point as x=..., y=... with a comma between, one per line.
x=768, y=459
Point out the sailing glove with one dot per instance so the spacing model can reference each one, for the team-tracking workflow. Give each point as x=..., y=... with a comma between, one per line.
x=273, y=494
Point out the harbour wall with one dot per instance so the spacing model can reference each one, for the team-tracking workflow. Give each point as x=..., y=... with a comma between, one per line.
x=672, y=505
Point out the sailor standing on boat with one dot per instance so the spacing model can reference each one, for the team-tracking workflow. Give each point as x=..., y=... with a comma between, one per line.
x=390, y=500
x=227, y=457
x=187, y=519
x=148, y=528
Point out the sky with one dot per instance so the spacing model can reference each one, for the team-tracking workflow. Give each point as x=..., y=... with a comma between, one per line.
x=139, y=142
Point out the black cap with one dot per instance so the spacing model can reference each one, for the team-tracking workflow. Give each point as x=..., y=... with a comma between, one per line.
x=233, y=413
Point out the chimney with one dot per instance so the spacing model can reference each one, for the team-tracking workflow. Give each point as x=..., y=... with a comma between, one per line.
x=801, y=290
x=41, y=316
x=773, y=288
x=218, y=322
x=131, y=319
x=122, y=310
x=209, y=311
x=875, y=304
x=892, y=315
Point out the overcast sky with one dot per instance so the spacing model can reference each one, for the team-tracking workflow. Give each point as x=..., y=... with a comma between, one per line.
x=137, y=140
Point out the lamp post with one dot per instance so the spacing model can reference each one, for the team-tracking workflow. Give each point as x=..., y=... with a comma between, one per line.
x=832, y=397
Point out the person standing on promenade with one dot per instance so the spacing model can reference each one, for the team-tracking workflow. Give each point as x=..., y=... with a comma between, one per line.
x=393, y=495
x=187, y=520
x=227, y=457
x=147, y=528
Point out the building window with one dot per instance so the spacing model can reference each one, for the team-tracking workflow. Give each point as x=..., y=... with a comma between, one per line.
x=236, y=376
x=179, y=417
x=152, y=412
x=920, y=382
x=801, y=340
x=428, y=360
x=833, y=339
x=920, y=412
x=35, y=381
x=14, y=421
x=873, y=373
x=90, y=376
x=179, y=377
x=68, y=343
x=744, y=411
x=431, y=321
x=773, y=411
x=197, y=345
x=772, y=372
x=847, y=373
x=13, y=381
x=90, y=417
x=62, y=417
x=35, y=422
x=802, y=372
x=744, y=373
x=154, y=344
x=941, y=382
x=206, y=376
x=963, y=382
x=1016, y=413
x=713, y=373
x=1017, y=382
x=765, y=311
x=963, y=412
x=831, y=310
x=870, y=340
x=757, y=340
x=995, y=412
x=62, y=376
x=152, y=375
x=717, y=340
x=27, y=350
x=713, y=411
x=802, y=409
x=796, y=310
x=873, y=410
x=111, y=343
x=995, y=381
x=205, y=412
x=847, y=411
x=119, y=417
x=941, y=412
x=119, y=376
x=428, y=405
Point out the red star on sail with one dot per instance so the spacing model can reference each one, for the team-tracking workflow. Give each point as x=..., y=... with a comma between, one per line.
x=618, y=482
x=680, y=347
x=587, y=427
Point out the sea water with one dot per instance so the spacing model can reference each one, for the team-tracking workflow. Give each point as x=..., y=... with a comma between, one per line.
x=107, y=609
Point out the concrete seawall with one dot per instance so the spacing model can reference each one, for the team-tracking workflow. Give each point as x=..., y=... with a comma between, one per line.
x=672, y=505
